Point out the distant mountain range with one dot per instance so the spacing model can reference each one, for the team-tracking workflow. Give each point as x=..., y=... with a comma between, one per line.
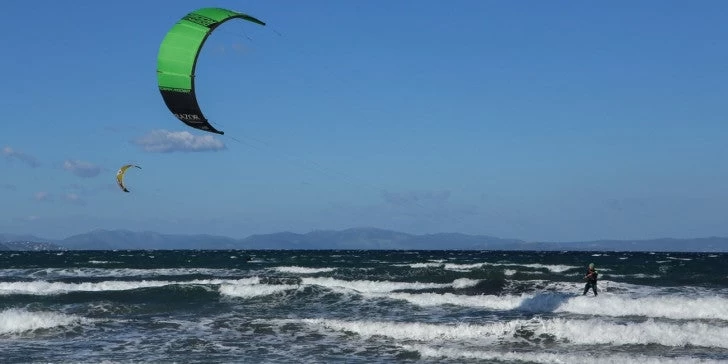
x=354, y=238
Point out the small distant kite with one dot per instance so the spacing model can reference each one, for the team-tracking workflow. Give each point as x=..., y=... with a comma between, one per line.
x=177, y=59
x=120, y=175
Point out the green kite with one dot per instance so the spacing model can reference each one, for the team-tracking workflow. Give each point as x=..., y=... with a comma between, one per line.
x=177, y=59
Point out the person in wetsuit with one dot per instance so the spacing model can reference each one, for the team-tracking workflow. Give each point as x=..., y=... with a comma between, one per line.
x=591, y=279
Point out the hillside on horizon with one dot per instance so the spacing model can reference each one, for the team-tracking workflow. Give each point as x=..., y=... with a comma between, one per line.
x=363, y=238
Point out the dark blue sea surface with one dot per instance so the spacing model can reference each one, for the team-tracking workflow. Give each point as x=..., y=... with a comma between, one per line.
x=361, y=307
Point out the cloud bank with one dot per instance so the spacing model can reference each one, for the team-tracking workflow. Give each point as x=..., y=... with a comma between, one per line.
x=165, y=141
x=9, y=186
x=415, y=197
x=81, y=168
x=28, y=159
x=42, y=196
x=68, y=197
x=74, y=199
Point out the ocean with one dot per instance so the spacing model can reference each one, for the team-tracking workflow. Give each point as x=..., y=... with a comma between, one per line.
x=361, y=306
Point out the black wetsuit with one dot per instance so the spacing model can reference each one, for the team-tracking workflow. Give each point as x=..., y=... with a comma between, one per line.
x=591, y=281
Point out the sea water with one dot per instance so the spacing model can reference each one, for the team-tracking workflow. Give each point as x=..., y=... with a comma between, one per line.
x=198, y=306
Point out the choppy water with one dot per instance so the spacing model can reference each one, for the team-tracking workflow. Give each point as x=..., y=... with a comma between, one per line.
x=361, y=307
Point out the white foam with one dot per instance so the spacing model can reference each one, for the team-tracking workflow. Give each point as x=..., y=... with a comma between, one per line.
x=637, y=275
x=15, y=321
x=420, y=265
x=53, y=288
x=253, y=290
x=303, y=270
x=370, y=286
x=565, y=331
x=555, y=268
x=436, y=299
x=381, y=288
x=674, y=307
x=115, y=272
x=462, y=267
x=464, y=282
x=544, y=357
x=417, y=330
x=596, y=331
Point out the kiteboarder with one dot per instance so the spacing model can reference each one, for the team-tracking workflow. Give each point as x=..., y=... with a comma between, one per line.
x=591, y=279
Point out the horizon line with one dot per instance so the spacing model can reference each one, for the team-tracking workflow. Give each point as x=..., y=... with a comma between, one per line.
x=370, y=228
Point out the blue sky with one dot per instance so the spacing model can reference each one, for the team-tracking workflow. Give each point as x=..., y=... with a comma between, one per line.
x=558, y=120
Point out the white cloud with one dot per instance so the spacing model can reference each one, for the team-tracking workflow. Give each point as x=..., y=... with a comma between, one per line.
x=28, y=159
x=81, y=169
x=26, y=218
x=165, y=141
x=415, y=197
x=68, y=197
x=42, y=196
x=74, y=198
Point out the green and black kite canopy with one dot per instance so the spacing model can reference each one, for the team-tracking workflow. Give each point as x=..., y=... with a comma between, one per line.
x=177, y=59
